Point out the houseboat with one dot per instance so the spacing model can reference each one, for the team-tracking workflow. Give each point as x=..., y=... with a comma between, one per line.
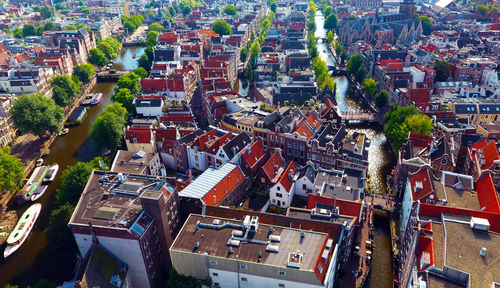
x=96, y=99
x=8, y=221
x=38, y=193
x=77, y=116
x=22, y=229
x=32, y=184
x=88, y=99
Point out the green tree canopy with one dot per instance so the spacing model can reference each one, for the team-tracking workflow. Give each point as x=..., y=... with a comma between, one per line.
x=11, y=171
x=152, y=37
x=402, y=120
x=144, y=62
x=124, y=97
x=29, y=30
x=356, y=67
x=47, y=12
x=186, y=10
x=331, y=22
x=108, y=50
x=442, y=69
x=84, y=72
x=58, y=234
x=141, y=72
x=114, y=43
x=107, y=131
x=482, y=9
x=131, y=82
x=327, y=10
x=330, y=36
x=221, y=27
x=369, y=86
x=97, y=57
x=43, y=283
x=426, y=24
x=381, y=98
x=60, y=96
x=230, y=9
x=63, y=89
x=36, y=114
x=156, y=27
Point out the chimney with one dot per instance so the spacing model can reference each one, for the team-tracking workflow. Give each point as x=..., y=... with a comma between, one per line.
x=190, y=176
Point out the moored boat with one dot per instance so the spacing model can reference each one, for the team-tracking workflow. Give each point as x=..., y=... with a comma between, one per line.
x=76, y=116
x=88, y=99
x=134, y=56
x=35, y=180
x=38, y=193
x=8, y=221
x=22, y=230
x=96, y=99
x=64, y=131
x=51, y=173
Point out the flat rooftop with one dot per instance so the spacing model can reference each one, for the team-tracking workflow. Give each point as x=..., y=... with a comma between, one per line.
x=132, y=162
x=214, y=242
x=110, y=202
x=458, y=246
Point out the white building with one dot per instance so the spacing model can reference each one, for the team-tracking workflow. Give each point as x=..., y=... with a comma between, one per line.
x=281, y=194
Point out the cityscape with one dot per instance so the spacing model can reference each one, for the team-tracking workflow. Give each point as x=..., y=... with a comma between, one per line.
x=249, y=143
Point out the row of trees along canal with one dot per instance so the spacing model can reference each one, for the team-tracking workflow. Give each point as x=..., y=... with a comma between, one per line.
x=43, y=117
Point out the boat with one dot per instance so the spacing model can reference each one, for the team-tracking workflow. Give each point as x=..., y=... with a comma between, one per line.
x=39, y=162
x=38, y=193
x=96, y=99
x=76, y=116
x=32, y=184
x=64, y=131
x=88, y=99
x=133, y=56
x=51, y=173
x=8, y=221
x=22, y=229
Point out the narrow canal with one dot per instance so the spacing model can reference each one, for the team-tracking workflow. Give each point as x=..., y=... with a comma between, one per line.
x=380, y=161
x=34, y=260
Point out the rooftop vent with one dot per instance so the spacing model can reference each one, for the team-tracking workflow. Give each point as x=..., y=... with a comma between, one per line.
x=479, y=223
x=196, y=245
x=275, y=238
x=294, y=260
x=233, y=242
x=483, y=252
x=272, y=248
x=237, y=233
x=254, y=223
x=229, y=250
x=418, y=186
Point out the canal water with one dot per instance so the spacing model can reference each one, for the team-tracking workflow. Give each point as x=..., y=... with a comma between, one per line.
x=34, y=259
x=380, y=161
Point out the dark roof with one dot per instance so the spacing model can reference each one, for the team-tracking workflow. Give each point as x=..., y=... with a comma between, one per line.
x=148, y=102
x=239, y=142
x=465, y=108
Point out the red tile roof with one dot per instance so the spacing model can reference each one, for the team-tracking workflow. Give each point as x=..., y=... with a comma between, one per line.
x=175, y=85
x=143, y=135
x=309, y=126
x=489, y=152
x=419, y=95
x=425, y=252
x=153, y=85
x=254, y=153
x=346, y=207
x=224, y=187
x=488, y=199
x=269, y=166
x=424, y=180
x=287, y=176
x=420, y=140
x=204, y=138
x=214, y=147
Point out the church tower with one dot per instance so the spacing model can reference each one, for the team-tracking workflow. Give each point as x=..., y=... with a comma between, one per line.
x=407, y=8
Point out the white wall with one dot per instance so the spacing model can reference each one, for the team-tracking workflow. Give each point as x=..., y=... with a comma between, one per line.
x=228, y=279
x=168, y=160
x=129, y=251
x=405, y=208
x=300, y=183
x=284, y=199
x=149, y=111
x=200, y=163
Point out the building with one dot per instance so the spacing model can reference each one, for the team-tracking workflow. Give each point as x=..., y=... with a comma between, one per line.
x=134, y=217
x=26, y=81
x=281, y=194
x=235, y=253
x=140, y=162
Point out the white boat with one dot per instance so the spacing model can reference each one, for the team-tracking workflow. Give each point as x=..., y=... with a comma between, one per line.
x=88, y=99
x=51, y=173
x=22, y=229
x=64, y=131
x=38, y=192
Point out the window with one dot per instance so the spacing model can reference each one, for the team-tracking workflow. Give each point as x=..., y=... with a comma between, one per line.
x=281, y=285
x=213, y=262
x=216, y=284
x=443, y=161
x=243, y=279
x=243, y=267
x=278, y=188
x=320, y=268
x=215, y=274
x=263, y=180
x=304, y=187
x=282, y=273
x=279, y=195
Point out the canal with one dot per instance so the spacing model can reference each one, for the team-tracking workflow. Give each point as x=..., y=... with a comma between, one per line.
x=34, y=259
x=380, y=161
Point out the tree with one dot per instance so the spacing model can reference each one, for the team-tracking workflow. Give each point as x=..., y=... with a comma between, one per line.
x=97, y=57
x=442, y=69
x=176, y=280
x=131, y=82
x=108, y=50
x=402, y=120
x=426, y=24
x=369, y=86
x=273, y=6
x=11, y=171
x=36, y=114
x=331, y=22
x=144, y=62
x=141, y=72
x=114, y=43
x=48, y=26
x=47, y=12
x=29, y=30
x=124, y=97
x=221, y=27
x=381, y=99
x=356, y=67
x=84, y=72
x=343, y=55
x=327, y=11
x=482, y=9
x=156, y=27
x=67, y=83
x=60, y=96
x=230, y=9
x=18, y=33
x=58, y=234
x=330, y=36
x=186, y=11
x=171, y=11
x=107, y=131
x=152, y=37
